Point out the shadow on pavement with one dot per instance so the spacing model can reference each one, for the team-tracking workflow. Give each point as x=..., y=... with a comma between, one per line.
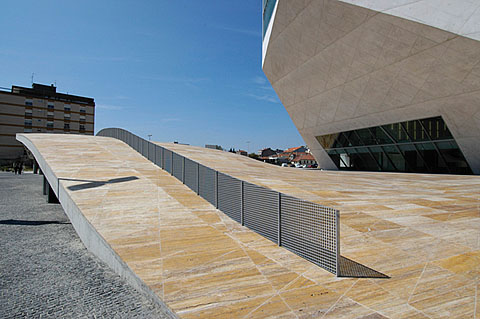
x=30, y=222
x=352, y=269
x=92, y=184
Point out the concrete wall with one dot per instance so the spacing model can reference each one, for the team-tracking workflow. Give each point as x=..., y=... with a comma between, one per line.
x=87, y=233
x=338, y=67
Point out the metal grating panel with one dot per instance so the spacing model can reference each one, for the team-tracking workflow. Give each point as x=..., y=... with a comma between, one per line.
x=151, y=152
x=261, y=210
x=207, y=184
x=310, y=231
x=230, y=196
x=307, y=229
x=191, y=179
x=158, y=156
x=168, y=160
x=145, y=148
x=178, y=166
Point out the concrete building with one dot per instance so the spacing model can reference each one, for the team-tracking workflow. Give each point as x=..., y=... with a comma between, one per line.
x=40, y=109
x=379, y=85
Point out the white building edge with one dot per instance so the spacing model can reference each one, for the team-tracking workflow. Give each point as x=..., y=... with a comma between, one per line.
x=391, y=85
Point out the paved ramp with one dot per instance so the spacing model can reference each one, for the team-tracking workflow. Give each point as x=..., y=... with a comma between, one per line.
x=422, y=230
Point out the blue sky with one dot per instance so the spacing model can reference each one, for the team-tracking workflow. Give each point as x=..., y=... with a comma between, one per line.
x=187, y=71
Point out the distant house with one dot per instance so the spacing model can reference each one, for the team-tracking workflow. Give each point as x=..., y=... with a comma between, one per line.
x=304, y=159
x=266, y=152
x=242, y=152
x=298, y=149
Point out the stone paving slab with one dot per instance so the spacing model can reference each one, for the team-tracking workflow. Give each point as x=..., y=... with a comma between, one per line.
x=46, y=271
x=204, y=265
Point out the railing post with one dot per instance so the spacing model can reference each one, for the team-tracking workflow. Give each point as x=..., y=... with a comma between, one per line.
x=337, y=240
x=242, y=205
x=163, y=158
x=279, y=239
x=154, y=154
x=198, y=179
x=183, y=170
x=216, y=189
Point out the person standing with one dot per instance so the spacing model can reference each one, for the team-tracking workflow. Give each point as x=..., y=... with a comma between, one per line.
x=20, y=168
x=15, y=167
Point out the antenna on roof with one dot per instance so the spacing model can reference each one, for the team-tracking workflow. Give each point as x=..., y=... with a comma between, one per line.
x=33, y=74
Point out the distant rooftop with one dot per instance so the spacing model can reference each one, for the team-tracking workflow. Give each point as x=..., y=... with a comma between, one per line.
x=50, y=92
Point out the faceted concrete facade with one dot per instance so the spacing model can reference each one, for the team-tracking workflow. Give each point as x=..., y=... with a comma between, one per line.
x=338, y=66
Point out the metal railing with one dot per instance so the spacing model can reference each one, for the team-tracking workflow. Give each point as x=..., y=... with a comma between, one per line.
x=309, y=230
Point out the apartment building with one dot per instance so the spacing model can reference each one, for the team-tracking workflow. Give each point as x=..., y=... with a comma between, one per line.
x=40, y=109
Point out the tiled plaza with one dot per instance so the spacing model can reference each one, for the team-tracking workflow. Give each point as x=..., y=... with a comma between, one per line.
x=421, y=230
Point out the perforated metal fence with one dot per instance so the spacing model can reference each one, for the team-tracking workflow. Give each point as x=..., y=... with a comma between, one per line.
x=177, y=170
x=191, y=174
x=308, y=229
x=261, y=210
x=207, y=187
x=230, y=196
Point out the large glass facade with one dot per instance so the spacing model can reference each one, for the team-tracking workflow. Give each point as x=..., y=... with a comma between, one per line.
x=420, y=146
x=268, y=6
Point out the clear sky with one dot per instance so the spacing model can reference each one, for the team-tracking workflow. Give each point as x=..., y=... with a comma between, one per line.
x=181, y=70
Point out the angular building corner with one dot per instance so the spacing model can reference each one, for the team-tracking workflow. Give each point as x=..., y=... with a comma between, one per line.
x=379, y=86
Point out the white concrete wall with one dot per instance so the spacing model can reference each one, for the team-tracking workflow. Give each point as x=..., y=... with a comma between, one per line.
x=337, y=67
x=461, y=17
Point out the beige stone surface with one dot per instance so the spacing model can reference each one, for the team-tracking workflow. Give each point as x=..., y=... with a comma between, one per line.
x=422, y=230
x=337, y=67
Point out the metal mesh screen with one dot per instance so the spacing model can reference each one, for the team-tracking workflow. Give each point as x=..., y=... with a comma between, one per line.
x=310, y=231
x=260, y=209
x=167, y=160
x=207, y=184
x=145, y=148
x=177, y=166
x=151, y=152
x=307, y=229
x=158, y=156
x=230, y=196
x=191, y=178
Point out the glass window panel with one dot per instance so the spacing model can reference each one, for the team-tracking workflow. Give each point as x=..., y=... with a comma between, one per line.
x=327, y=141
x=404, y=146
x=437, y=129
x=380, y=136
x=453, y=157
x=366, y=137
x=413, y=158
x=342, y=141
x=368, y=161
x=396, y=159
x=354, y=139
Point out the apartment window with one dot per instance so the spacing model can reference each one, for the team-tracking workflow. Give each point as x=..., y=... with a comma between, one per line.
x=50, y=114
x=28, y=123
x=82, y=128
x=67, y=116
x=50, y=124
x=28, y=102
x=27, y=130
x=50, y=106
x=82, y=109
x=66, y=126
x=28, y=112
x=67, y=107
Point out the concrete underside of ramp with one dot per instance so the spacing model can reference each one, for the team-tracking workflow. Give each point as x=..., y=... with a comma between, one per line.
x=422, y=230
